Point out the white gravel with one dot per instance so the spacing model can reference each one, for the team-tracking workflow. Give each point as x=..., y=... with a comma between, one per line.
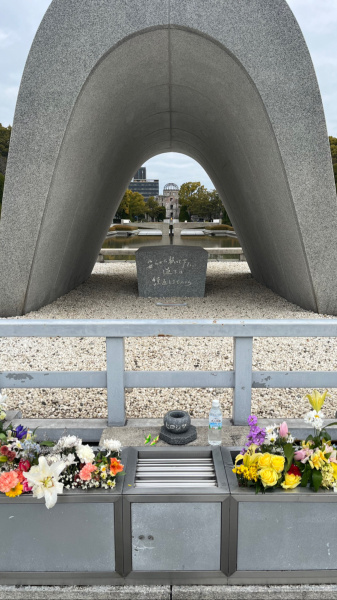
x=111, y=293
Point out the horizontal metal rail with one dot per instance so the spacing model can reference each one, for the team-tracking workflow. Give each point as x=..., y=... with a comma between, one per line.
x=115, y=378
x=132, y=251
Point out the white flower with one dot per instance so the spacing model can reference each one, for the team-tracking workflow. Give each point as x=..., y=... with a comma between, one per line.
x=69, y=459
x=314, y=418
x=290, y=439
x=111, y=446
x=53, y=458
x=271, y=429
x=3, y=399
x=68, y=441
x=85, y=453
x=2, y=414
x=44, y=479
x=270, y=438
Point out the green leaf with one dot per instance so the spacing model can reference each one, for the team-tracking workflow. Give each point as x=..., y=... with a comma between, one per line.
x=289, y=454
x=3, y=459
x=49, y=444
x=310, y=437
x=3, y=436
x=316, y=479
x=306, y=476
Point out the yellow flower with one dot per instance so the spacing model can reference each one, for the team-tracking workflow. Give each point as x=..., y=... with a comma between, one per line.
x=17, y=491
x=334, y=468
x=317, y=459
x=277, y=462
x=268, y=476
x=249, y=458
x=316, y=399
x=265, y=460
x=291, y=481
x=252, y=473
x=327, y=476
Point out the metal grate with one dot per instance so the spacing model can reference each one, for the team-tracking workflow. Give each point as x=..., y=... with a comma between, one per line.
x=175, y=472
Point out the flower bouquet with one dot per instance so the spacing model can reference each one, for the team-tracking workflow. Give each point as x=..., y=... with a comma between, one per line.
x=47, y=468
x=272, y=459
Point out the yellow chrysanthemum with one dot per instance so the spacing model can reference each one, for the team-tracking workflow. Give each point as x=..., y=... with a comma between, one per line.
x=17, y=491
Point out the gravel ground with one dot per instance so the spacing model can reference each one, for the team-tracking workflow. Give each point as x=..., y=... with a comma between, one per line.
x=111, y=293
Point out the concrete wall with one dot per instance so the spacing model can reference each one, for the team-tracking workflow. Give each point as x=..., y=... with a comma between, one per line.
x=231, y=85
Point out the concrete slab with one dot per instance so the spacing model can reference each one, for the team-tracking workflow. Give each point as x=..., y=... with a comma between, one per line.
x=139, y=592
x=250, y=592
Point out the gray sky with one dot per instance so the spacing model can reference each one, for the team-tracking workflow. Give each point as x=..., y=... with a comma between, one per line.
x=20, y=19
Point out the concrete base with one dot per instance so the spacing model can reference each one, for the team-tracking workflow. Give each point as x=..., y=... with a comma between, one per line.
x=166, y=592
x=136, y=430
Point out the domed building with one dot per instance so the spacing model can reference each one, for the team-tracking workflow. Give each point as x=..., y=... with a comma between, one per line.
x=170, y=199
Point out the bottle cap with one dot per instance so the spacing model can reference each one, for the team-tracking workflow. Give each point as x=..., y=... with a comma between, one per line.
x=216, y=402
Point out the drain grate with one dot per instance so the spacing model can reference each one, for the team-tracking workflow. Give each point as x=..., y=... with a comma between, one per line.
x=175, y=472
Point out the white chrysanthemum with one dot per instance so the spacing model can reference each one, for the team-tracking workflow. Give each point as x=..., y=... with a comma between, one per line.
x=44, y=480
x=111, y=446
x=314, y=418
x=290, y=439
x=68, y=441
x=271, y=429
x=85, y=453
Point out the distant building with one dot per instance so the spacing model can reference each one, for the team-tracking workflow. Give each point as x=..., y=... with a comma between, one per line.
x=146, y=187
x=170, y=199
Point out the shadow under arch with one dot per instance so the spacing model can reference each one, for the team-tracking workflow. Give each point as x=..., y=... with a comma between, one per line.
x=163, y=89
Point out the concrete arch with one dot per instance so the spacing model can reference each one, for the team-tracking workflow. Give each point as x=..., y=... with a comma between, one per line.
x=108, y=84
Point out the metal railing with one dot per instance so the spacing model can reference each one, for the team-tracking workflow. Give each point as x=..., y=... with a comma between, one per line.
x=132, y=252
x=242, y=379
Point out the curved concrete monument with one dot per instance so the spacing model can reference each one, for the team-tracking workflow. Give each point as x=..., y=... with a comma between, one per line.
x=109, y=84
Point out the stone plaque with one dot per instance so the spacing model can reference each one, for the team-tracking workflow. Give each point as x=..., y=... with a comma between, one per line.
x=171, y=271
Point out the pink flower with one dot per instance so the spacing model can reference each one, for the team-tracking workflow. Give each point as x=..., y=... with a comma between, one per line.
x=20, y=474
x=85, y=473
x=26, y=486
x=303, y=455
x=8, y=481
x=24, y=465
x=300, y=454
x=283, y=430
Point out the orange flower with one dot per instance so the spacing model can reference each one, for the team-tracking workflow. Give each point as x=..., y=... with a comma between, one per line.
x=8, y=481
x=115, y=466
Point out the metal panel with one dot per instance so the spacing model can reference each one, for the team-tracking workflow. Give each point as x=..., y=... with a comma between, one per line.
x=196, y=452
x=69, y=538
x=173, y=536
x=291, y=528
x=115, y=381
x=53, y=379
x=242, y=394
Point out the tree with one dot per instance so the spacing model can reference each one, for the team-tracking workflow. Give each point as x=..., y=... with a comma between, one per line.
x=188, y=195
x=151, y=208
x=333, y=148
x=5, y=135
x=195, y=199
x=132, y=206
x=2, y=182
x=183, y=215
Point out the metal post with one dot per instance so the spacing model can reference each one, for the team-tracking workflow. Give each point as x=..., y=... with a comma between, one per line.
x=242, y=392
x=115, y=381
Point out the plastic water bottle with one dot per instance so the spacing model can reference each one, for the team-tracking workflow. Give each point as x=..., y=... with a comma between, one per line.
x=215, y=424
